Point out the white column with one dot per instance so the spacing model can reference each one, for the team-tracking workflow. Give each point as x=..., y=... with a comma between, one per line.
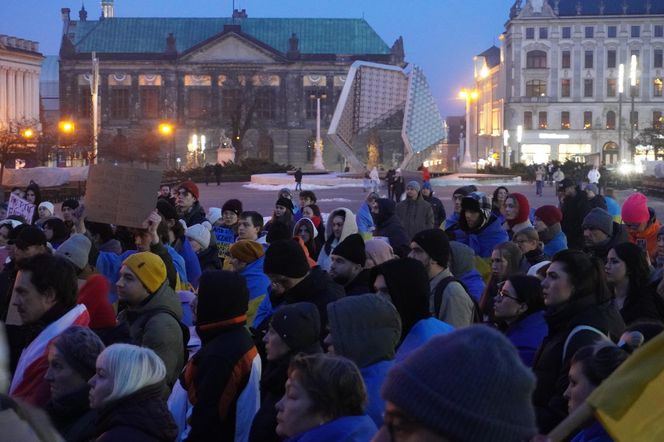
x=4, y=121
x=35, y=96
x=27, y=95
x=20, y=96
x=11, y=95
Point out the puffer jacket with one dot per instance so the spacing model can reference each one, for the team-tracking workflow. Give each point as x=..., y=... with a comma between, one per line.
x=649, y=235
x=350, y=227
x=485, y=239
x=415, y=215
x=342, y=429
x=462, y=266
x=420, y=334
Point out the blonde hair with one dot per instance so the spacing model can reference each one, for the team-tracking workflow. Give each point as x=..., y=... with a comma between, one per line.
x=131, y=368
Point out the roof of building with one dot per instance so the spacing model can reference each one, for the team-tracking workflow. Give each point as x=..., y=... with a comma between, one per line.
x=148, y=35
x=611, y=7
x=492, y=56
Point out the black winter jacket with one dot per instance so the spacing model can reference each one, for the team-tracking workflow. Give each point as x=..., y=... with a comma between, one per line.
x=574, y=209
x=72, y=417
x=389, y=225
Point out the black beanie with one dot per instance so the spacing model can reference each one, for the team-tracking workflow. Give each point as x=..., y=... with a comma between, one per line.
x=299, y=326
x=435, y=243
x=222, y=295
x=285, y=258
x=352, y=248
x=233, y=205
x=278, y=231
x=285, y=202
x=166, y=209
x=465, y=190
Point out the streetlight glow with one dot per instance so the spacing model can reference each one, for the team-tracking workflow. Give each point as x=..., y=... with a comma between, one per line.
x=519, y=133
x=67, y=126
x=632, y=71
x=165, y=129
x=27, y=133
x=621, y=78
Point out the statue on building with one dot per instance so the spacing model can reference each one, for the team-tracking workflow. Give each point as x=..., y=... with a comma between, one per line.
x=225, y=151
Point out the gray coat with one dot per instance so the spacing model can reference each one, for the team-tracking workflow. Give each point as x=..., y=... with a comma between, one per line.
x=415, y=215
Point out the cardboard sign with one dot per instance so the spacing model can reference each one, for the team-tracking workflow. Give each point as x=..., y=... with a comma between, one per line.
x=123, y=196
x=19, y=206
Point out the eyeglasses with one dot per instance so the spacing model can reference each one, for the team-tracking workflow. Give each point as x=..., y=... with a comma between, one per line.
x=505, y=294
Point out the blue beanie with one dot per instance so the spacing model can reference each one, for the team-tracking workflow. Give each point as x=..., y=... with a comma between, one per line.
x=466, y=385
x=426, y=185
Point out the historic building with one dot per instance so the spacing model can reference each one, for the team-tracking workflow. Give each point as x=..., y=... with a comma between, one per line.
x=250, y=82
x=562, y=63
x=20, y=65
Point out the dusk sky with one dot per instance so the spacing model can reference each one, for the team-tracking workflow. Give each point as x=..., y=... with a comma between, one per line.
x=441, y=36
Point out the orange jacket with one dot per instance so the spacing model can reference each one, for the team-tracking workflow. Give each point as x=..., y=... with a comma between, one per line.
x=649, y=235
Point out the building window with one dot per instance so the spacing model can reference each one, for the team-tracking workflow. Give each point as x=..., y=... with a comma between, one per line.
x=543, y=123
x=634, y=119
x=530, y=33
x=231, y=102
x=610, y=120
x=587, y=120
x=566, y=60
x=198, y=102
x=528, y=120
x=567, y=32
x=119, y=103
x=635, y=31
x=150, y=102
x=612, y=31
x=659, y=58
x=657, y=87
x=535, y=88
x=588, y=60
x=588, y=87
x=657, y=119
x=589, y=32
x=565, y=87
x=266, y=102
x=611, y=87
x=543, y=33
x=84, y=109
x=564, y=120
x=536, y=59
x=659, y=31
x=611, y=58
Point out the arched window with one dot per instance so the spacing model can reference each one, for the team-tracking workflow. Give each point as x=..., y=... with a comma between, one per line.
x=536, y=59
x=535, y=88
x=610, y=120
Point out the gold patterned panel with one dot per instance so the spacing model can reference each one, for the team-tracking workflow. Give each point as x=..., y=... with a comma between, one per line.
x=314, y=80
x=119, y=79
x=197, y=80
x=265, y=80
x=339, y=80
x=149, y=80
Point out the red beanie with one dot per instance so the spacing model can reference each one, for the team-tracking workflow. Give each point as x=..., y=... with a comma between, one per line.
x=549, y=215
x=94, y=295
x=190, y=187
x=635, y=209
x=524, y=209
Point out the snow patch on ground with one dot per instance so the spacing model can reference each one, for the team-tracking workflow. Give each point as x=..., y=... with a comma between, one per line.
x=334, y=200
x=277, y=187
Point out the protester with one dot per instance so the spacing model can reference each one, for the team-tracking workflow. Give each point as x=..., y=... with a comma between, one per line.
x=249, y=226
x=45, y=298
x=306, y=230
x=498, y=202
x=481, y=228
x=589, y=367
x=448, y=301
x=187, y=204
x=306, y=197
x=68, y=208
x=468, y=385
x=517, y=211
x=399, y=186
x=286, y=193
x=540, y=175
x=224, y=228
x=462, y=266
x=199, y=236
x=574, y=207
x=46, y=209
x=375, y=179
x=601, y=233
x=324, y=402
x=227, y=364
x=247, y=258
x=298, y=178
x=365, y=223
x=347, y=267
x=294, y=329
x=594, y=198
x=365, y=329
x=641, y=222
x=547, y=223
x=153, y=310
x=628, y=274
x=126, y=392
x=33, y=196
x=505, y=262
x=612, y=205
x=518, y=310
x=451, y=225
x=531, y=248
x=71, y=363
x=414, y=213
x=378, y=251
x=405, y=283
x=55, y=231
x=575, y=294
x=340, y=224
x=165, y=194
x=439, y=214
x=388, y=225
x=594, y=175
x=312, y=211
x=283, y=213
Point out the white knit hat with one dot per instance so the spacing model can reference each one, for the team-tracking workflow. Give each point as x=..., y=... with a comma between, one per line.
x=49, y=205
x=214, y=213
x=200, y=234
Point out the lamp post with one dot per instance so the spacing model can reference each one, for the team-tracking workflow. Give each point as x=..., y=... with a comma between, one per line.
x=318, y=147
x=621, y=90
x=167, y=131
x=519, y=138
x=471, y=95
x=632, y=83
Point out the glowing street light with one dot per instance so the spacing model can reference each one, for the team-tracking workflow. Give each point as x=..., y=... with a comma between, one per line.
x=166, y=129
x=27, y=133
x=67, y=126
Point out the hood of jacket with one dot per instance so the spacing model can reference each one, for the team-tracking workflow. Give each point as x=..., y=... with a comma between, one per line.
x=163, y=299
x=462, y=258
x=365, y=329
x=350, y=224
x=386, y=210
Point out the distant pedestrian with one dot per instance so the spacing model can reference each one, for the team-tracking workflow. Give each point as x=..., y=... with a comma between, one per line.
x=298, y=178
x=539, y=179
x=208, y=173
x=594, y=175
x=218, y=169
x=375, y=180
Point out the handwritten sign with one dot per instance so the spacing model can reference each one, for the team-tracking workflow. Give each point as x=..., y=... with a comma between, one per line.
x=21, y=207
x=118, y=195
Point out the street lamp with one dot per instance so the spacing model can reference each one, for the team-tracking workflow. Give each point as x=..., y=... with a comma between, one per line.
x=67, y=126
x=632, y=83
x=472, y=95
x=167, y=130
x=318, y=147
x=519, y=138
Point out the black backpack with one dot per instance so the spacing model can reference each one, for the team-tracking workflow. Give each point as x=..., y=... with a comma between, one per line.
x=438, y=298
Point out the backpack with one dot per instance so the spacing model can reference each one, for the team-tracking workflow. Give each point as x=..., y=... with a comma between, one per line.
x=186, y=335
x=438, y=298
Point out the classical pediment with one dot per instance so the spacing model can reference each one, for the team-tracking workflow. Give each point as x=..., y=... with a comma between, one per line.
x=230, y=48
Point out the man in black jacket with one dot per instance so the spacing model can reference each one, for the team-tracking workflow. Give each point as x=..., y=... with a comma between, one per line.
x=189, y=209
x=389, y=226
x=439, y=214
x=347, y=267
x=575, y=206
x=601, y=233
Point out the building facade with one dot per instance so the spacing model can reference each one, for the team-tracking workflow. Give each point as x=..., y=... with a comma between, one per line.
x=562, y=67
x=20, y=66
x=248, y=83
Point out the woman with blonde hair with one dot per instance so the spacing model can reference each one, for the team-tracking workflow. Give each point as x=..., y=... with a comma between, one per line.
x=127, y=391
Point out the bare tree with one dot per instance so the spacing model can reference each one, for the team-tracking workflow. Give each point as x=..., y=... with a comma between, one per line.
x=18, y=140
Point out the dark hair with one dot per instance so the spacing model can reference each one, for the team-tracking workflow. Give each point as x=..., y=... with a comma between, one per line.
x=59, y=229
x=311, y=244
x=256, y=218
x=636, y=265
x=599, y=361
x=308, y=194
x=105, y=231
x=329, y=240
x=513, y=255
x=586, y=274
x=528, y=290
x=333, y=383
x=52, y=272
x=71, y=203
x=315, y=209
x=494, y=199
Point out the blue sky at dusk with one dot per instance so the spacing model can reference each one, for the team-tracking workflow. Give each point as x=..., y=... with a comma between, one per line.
x=441, y=36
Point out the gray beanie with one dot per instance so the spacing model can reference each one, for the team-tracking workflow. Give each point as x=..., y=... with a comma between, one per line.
x=76, y=249
x=414, y=184
x=79, y=346
x=457, y=385
x=599, y=219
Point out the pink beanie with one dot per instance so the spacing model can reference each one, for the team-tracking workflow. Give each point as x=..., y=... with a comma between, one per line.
x=635, y=209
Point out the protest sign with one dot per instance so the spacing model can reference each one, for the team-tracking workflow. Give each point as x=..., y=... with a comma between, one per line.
x=21, y=207
x=118, y=195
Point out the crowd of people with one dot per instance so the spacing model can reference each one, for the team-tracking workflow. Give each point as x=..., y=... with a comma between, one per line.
x=395, y=321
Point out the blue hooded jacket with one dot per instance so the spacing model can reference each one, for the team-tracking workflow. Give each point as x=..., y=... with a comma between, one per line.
x=343, y=429
x=420, y=334
x=558, y=243
x=452, y=228
x=364, y=220
x=373, y=376
x=527, y=335
x=486, y=239
x=257, y=283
